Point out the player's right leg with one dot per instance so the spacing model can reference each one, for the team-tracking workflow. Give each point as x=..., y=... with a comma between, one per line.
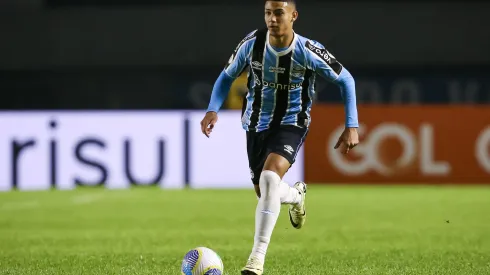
x=267, y=182
x=267, y=211
x=256, y=159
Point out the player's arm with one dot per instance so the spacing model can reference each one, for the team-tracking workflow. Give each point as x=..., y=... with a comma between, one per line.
x=234, y=67
x=328, y=67
x=220, y=92
x=347, y=86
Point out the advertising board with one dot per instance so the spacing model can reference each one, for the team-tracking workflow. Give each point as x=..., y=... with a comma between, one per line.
x=117, y=149
x=65, y=149
x=402, y=144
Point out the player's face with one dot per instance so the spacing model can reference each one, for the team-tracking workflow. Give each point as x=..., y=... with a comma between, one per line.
x=279, y=17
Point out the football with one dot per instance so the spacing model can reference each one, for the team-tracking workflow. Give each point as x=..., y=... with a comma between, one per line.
x=202, y=261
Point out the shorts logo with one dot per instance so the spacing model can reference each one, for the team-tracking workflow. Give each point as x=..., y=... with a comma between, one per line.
x=252, y=173
x=288, y=149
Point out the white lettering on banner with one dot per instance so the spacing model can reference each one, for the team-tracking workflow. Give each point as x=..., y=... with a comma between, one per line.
x=482, y=149
x=427, y=164
x=221, y=161
x=369, y=151
x=116, y=149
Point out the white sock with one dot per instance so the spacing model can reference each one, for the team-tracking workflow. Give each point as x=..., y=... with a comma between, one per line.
x=289, y=195
x=266, y=214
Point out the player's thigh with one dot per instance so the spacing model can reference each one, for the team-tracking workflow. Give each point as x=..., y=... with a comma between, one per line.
x=283, y=147
x=257, y=154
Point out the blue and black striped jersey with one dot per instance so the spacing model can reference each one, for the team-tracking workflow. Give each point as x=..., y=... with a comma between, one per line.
x=281, y=82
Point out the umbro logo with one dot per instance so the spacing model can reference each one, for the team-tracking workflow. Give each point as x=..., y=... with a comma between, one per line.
x=257, y=65
x=288, y=149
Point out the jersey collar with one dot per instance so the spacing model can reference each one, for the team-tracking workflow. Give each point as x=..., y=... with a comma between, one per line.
x=291, y=47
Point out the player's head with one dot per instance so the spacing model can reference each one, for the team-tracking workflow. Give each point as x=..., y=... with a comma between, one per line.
x=280, y=16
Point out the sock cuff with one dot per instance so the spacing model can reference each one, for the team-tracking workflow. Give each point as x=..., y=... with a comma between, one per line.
x=271, y=174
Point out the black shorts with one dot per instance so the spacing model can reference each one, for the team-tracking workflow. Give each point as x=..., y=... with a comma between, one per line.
x=285, y=141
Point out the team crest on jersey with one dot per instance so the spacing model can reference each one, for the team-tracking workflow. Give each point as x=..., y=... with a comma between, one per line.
x=297, y=70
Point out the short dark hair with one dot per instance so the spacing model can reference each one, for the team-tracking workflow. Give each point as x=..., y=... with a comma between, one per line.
x=288, y=1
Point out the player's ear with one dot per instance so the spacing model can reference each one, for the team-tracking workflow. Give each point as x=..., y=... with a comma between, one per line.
x=295, y=16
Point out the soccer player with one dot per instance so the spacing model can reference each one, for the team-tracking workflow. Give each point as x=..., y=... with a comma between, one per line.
x=282, y=68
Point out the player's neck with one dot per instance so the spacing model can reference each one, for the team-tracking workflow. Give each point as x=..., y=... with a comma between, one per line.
x=283, y=41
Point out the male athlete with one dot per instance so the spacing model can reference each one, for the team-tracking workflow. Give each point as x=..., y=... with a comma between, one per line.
x=276, y=116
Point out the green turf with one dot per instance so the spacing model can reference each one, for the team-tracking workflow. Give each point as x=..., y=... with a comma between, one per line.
x=350, y=230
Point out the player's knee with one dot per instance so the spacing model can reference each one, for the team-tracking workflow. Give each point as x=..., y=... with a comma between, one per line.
x=277, y=164
x=274, y=167
x=269, y=183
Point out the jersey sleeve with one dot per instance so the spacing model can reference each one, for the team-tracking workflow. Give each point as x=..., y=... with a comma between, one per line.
x=327, y=66
x=322, y=61
x=239, y=59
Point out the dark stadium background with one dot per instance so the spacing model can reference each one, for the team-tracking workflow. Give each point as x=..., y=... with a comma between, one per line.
x=62, y=54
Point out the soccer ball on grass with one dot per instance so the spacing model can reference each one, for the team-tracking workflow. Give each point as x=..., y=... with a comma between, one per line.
x=202, y=261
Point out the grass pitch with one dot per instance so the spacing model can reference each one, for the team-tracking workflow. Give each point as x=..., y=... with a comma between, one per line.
x=349, y=230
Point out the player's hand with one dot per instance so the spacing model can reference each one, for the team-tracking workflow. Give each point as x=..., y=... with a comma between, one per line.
x=208, y=122
x=347, y=140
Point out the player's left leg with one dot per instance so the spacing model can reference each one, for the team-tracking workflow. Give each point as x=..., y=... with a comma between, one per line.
x=287, y=143
x=288, y=194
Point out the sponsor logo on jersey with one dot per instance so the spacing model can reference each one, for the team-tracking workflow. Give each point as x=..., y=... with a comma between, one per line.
x=278, y=70
x=281, y=86
x=322, y=53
